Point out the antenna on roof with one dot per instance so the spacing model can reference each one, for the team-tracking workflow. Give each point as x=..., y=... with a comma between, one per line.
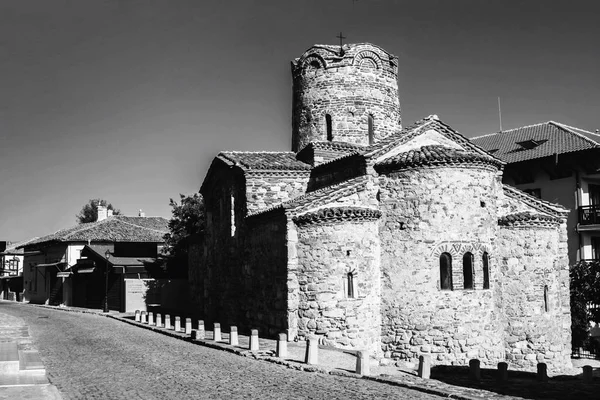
x=500, y=113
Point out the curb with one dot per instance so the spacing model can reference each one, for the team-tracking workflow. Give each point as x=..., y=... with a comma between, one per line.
x=267, y=358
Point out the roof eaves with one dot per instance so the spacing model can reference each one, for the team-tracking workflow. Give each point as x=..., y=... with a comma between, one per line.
x=542, y=205
x=574, y=132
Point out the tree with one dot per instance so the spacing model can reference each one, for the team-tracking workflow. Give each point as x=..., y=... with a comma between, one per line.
x=585, y=292
x=89, y=212
x=187, y=221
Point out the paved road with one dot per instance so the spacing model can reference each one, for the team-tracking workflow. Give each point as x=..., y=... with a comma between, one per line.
x=93, y=357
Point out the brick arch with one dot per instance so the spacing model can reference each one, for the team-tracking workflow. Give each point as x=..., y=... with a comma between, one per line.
x=368, y=56
x=457, y=249
x=311, y=59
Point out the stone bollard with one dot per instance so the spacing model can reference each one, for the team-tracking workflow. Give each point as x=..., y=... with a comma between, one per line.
x=159, y=320
x=188, y=326
x=312, y=351
x=201, y=331
x=587, y=374
x=502, y=372
x=137, y=315
x=542, y=372
x=217, y=332
x=474, y=370
x=150, y=318
x=143, y=317
x=177, y=324
x=233, y=336
x=254, y=340
x=424, y=367
x=282, y=346
x=362, y=363
x=167, y=321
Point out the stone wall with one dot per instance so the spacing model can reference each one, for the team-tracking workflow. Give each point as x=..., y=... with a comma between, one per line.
x=427, y=212
x=264, y=190
x=349, y=87
x=329, y=174
x=538, y=326
x=327, y=253
x=223, y=243
x=263, y=292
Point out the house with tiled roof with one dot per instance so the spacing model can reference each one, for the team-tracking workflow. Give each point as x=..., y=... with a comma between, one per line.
x=561, y=164
x=73, y=266
x=402, y=241
x=11, y=270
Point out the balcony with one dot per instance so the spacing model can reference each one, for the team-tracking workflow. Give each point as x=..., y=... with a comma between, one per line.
x=589, y=215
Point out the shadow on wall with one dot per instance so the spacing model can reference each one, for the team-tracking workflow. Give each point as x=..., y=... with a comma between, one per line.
x=521, y=383
x=168, y=296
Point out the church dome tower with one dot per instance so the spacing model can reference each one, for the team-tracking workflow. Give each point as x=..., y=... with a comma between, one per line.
x=347, y=94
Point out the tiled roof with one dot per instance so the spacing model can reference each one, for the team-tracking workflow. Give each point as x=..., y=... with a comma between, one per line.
x=431, y=122
x=16, y=248
x=100, y=251
x=436, y=155
x=537, y=141
x=263, y=160
x=118, y=228
x=528, y=218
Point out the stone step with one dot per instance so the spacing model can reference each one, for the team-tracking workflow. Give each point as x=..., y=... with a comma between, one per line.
x=9, y=358
x=31, y=363
x=22, y=380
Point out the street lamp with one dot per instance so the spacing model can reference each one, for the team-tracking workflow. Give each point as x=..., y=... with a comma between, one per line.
x=107, y=255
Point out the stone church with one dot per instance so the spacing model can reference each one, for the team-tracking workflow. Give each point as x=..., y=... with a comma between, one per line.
x=371, y=234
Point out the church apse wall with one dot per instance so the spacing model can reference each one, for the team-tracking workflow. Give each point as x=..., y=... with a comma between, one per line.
x=535, y=292
x=432, y=214
x=338, y=277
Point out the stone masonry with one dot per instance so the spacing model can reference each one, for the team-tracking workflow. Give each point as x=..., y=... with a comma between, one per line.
x=402, y=241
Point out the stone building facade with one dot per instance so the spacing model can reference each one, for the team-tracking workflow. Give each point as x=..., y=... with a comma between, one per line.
x=399, y=240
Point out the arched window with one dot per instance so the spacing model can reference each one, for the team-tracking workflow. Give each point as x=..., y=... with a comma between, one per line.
x=329, y=127
x=486, y=270
x=371, y=124
x=350, y=285
x=546, y=306
x=468, y=270
x=445, y=271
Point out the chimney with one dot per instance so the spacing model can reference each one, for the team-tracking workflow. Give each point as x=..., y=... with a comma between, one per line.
x=102, y=213
x=141, y=213
x=110, y=212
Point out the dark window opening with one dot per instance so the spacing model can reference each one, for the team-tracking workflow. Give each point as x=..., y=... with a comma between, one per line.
x=486, y=271
x=531, y=144
x=468, y=270
x=350, y=285
x=445, y=271
x=329, y=127
x=315, y=64
x=546, y=308
x=371, y=129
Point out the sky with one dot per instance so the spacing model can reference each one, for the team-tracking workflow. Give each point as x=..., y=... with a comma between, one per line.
x=130, y=100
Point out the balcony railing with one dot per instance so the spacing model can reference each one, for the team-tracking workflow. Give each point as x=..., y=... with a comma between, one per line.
x=589, y=215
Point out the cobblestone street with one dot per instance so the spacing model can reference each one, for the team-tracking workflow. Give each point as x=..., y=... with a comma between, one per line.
x=92, y=357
